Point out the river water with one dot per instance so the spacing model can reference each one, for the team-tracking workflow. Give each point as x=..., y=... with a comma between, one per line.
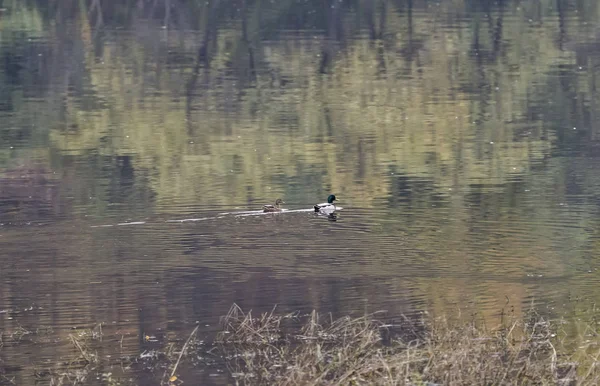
x=138, y=142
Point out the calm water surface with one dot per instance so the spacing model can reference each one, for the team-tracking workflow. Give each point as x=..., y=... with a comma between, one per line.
x=462, y=139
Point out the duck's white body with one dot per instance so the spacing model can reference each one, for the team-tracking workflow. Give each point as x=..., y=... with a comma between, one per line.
x=328, y=206
x=324, y=207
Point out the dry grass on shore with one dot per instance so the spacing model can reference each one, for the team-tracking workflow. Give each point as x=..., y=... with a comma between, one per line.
x=347, y=351
x=314, y=349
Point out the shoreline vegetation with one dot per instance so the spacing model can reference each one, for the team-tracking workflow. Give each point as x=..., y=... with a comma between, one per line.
x=428, y=351
x=316, y=349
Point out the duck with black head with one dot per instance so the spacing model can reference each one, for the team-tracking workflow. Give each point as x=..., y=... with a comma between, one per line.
x=328, y=206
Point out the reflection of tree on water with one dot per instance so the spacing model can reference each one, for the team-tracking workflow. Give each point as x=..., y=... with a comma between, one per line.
x=28, y=194
x=241, y=71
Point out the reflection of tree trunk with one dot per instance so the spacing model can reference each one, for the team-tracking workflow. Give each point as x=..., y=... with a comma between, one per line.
x=153, y=7
x=371, y=20
x=561, y=24
x=96, y=6
x=498, y=32
x=328, y=124
x=178, y=16
x=409, y=4
x=167, y=13
x=495, y=30
x=382, y=18
x=251, y=65
x=410, y=32
x=361, y=160
x=593, y=108
x=411, y=47
x=483, y=95
x=381, y=48
x=371, y=15
x=202, y=60
x=332, y=35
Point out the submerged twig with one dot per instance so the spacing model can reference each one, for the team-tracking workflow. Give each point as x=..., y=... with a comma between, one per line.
x=183, y=349
x=85, y=355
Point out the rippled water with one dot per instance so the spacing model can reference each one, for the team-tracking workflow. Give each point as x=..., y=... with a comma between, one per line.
x=137, y=143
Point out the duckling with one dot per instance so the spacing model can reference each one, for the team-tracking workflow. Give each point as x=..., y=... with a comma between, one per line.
x=327, y=206
x=274, y=208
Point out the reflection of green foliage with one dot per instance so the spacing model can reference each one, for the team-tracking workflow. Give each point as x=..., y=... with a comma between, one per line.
x=18, y=19
x=394, y=119
x=451, y=121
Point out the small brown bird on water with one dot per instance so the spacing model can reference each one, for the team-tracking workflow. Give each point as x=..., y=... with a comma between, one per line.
x=274, y=208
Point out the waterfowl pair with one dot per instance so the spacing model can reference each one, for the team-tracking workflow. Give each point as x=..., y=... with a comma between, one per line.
x=328, y=206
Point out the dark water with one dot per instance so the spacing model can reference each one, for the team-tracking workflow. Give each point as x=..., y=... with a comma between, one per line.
x=462, y=139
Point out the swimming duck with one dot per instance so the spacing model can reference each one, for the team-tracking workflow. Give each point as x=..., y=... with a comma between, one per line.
x=326, y=206
x=274, y=208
